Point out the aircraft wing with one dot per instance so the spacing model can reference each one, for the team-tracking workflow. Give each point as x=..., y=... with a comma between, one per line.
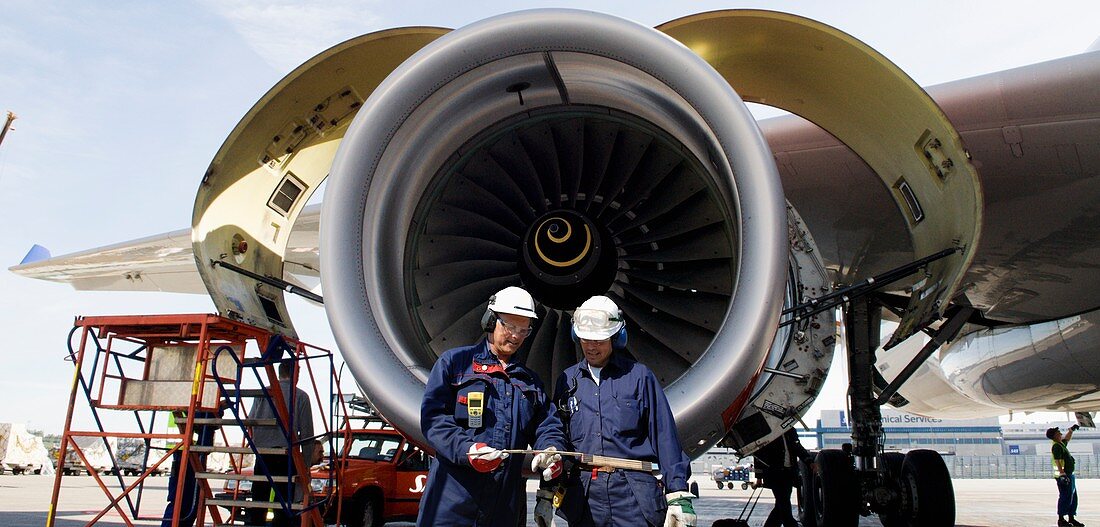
x=162, y=262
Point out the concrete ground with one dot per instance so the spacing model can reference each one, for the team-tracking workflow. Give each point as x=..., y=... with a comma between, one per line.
x=24, y=501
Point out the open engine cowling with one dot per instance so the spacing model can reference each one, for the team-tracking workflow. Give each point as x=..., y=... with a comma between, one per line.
x=574, y=154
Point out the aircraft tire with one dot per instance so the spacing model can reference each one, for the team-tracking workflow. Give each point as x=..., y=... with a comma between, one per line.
x=927, y=494
x=895, y=517
x=807, y=516
x=834, y=494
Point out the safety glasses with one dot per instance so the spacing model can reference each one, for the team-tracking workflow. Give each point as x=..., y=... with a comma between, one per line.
x=594, y=320
x=514, y=329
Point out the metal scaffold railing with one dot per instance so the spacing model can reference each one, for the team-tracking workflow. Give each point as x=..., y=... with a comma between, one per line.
x=199, y=369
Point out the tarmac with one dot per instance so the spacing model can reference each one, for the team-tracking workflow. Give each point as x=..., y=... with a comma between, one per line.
x=24, y=502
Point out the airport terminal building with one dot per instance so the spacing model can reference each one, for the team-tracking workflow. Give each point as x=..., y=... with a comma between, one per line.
x=972, y=448
x=904, y=432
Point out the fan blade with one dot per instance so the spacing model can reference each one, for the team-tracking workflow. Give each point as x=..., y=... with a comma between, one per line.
x=538, y=141
x=511, y=155
x=442, y=312
x=703, y=244
x=433, y=282
x=686, y=340
x=702, y=309
x=713, y=276
x=440, y=249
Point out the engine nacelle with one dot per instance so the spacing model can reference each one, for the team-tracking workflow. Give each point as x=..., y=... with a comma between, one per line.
x=574, y=154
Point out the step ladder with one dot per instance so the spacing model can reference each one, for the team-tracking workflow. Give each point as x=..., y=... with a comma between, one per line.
x=269, y=397
x=193, y=366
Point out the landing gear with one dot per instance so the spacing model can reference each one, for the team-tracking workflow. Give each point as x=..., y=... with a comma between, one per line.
x=905, y=490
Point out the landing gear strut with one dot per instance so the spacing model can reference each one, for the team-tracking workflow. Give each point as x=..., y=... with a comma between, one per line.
x=910, y=490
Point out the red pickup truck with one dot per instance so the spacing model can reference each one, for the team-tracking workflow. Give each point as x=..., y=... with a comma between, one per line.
x=381, y=479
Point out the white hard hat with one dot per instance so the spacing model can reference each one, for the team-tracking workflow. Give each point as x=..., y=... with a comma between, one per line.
x=513, y=300
x=598, y=318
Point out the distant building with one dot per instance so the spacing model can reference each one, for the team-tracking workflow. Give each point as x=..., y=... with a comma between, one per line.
x=972, y=448
x=904, y=432
x=1026, y=439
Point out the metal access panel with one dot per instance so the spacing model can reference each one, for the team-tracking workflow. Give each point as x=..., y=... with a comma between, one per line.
x=176, y=363
x=171, y=376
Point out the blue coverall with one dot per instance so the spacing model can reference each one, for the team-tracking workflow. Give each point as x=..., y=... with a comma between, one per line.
x=517, y=413
x=626, y=416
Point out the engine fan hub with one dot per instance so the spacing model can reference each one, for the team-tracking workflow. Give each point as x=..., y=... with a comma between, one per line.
x=567, y=257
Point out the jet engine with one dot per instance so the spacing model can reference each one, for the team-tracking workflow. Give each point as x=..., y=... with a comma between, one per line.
x=573, y=154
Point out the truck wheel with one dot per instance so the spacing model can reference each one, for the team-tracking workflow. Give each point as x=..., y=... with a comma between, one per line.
x=366, y=512
x=694, y=489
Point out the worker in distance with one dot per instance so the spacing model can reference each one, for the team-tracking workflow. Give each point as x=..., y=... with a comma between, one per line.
x=1064, y=464
x=611, y=405
x=479, y=402
x=777, y=469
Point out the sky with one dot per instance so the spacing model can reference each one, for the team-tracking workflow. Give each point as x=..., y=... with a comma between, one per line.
x=121, y=105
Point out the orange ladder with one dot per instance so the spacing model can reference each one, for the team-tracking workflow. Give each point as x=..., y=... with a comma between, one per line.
x=190, y=365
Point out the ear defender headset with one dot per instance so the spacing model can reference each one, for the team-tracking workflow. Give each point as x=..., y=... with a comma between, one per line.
x=618, y=340
x=489, y=319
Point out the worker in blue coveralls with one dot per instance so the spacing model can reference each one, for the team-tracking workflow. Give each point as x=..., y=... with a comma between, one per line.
x=478, y=402
x=613, y=406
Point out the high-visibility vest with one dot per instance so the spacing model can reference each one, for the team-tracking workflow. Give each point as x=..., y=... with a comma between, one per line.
x=1054, y=462
x=172, y=429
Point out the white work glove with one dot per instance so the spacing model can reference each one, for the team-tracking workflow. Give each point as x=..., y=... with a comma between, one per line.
x=548, y=462
x=485, y=458
x=544, y=508
x=680, y=511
